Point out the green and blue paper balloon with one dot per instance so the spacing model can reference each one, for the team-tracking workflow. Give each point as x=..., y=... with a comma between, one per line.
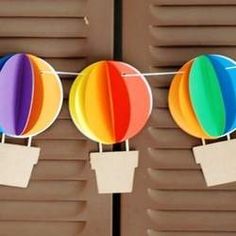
x=202, y=96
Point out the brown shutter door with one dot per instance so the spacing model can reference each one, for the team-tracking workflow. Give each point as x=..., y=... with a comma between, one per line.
x=62, y=198
x=170, y=197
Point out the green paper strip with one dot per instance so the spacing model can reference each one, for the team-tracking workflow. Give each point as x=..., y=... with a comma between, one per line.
x=206, y=97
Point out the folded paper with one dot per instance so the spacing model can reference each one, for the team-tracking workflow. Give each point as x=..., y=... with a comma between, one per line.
x=29, y=100
x=107, y=107
x=202, y=97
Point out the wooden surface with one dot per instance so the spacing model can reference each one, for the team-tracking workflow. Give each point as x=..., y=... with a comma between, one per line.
x=170, y=196
x=62, y=196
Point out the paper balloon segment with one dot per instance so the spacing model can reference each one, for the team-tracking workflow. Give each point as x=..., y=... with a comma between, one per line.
x=3, y=60
x=29, y=100
x=202, y=97
x=107, y=107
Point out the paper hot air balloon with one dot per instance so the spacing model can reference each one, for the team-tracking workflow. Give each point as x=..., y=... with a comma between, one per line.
x=202, y=101
x=30, y=100
x=108, y=107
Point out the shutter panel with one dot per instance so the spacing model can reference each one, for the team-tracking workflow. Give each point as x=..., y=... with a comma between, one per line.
x=170, y=196
x=62, y=197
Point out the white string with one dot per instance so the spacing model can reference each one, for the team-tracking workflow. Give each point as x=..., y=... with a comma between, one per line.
x=100, y=147
x=154, y=73
x=127, y=145
x=29, y=141
x=203, y=141
x=3, y=138
x=60, y=72
x=230, y=67
x=129, y=75
x=123, y=75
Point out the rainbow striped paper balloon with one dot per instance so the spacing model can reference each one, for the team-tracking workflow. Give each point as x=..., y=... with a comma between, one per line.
x=107, y=107
x=202, y=97
x=30, y=99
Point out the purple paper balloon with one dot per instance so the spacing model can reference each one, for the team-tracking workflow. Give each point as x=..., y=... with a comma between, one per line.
x=16, y=92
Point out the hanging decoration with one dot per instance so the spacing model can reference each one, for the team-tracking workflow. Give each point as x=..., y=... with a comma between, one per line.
x=105, y=106
x=109, y=108
x=30, y=101
x=202, y=102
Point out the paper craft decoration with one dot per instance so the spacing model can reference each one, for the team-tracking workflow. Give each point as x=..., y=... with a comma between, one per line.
x=109, y=108
x=104, y=105
x=202, y=101
x=114, y=170
x=30, y=100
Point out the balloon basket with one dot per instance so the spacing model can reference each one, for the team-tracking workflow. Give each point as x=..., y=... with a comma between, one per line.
x=16, y=164
x=114, y=170
x=218, y=162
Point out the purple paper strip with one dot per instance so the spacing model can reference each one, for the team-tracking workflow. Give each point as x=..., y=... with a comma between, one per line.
x=16, y=86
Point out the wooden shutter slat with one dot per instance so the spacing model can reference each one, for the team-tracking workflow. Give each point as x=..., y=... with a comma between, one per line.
x=193, y=2
x=177, y=180
x=52, y=170
x=172, y=159
x=192, y=36
x=46, y=191
x=161, y=118
x=193, y=15
x=66, y=149
x=43, y=8
x=64, y=114
x=57, y=131
x=68, y=64
x=177, y=56
x=160, y=98
x=182, y=180
x=39, y=228
x=167, y=138
x=36, y=211
x=193, y=221
x=193, y=200
x=44, y=47
x=203, y=233
x=43, y=27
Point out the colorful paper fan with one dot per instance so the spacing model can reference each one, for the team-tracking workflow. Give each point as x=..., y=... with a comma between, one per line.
x=107, y=107
x=202, y=96
x=30, y=100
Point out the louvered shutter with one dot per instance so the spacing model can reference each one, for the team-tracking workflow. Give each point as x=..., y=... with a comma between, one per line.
x=62, y=198
x=170, y=197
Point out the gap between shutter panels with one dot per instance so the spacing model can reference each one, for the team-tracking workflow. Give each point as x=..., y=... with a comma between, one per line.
x=176, y=200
